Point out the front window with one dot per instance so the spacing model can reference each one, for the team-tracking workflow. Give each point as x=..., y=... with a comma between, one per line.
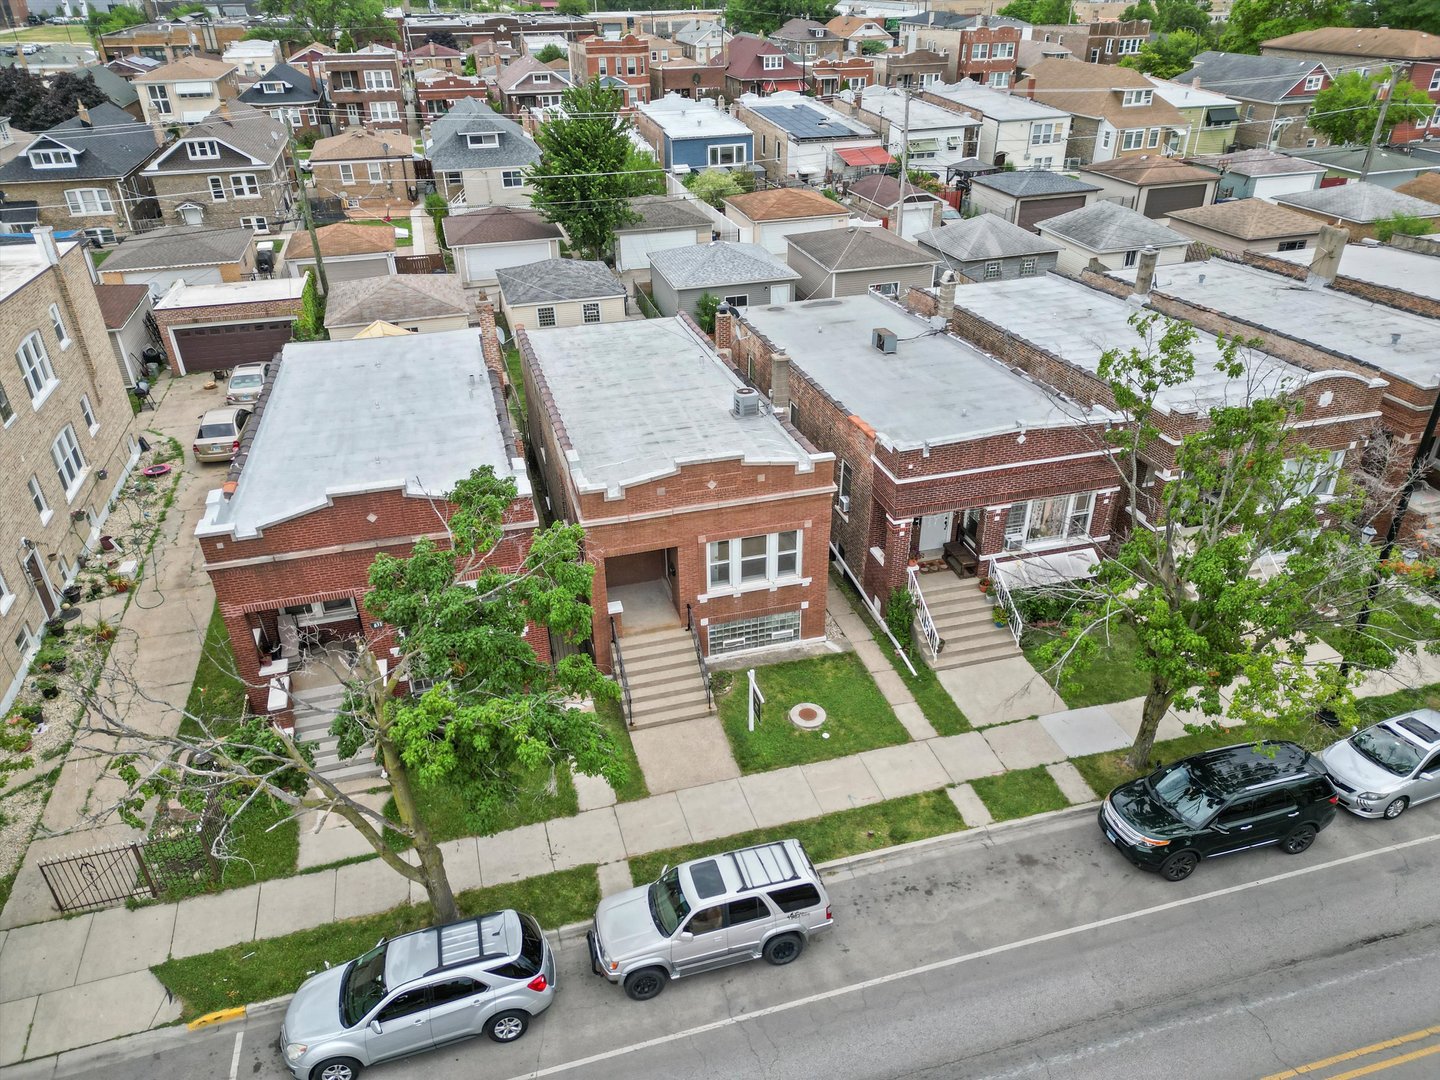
x=980, y=52
x=730, y=154
x=668, y=906
x=272, y=88
x=1154, y=138
x=384, y=111
x=1004, y=50
x=1039, y=520
x=159, y=101
x=1044, y=134
x=1000, y=79
x=202, y=149
x=1178, y=789
x=772, y=62
x=363, y=986
x=1137, y=97
x=379, y=80
x=1388, y=750
x=86, y=201
x=753, y=559
x=1133, y=139
x=482, y=140
x=545, y=316
x=1130, y=46
x=245, y=186
x=512, y=178
x=69, y=462
x=35, y=367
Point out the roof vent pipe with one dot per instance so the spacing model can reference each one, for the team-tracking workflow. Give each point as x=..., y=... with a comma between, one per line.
x=1394, y=340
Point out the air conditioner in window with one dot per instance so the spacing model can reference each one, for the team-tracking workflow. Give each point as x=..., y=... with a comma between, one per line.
x=843, y=502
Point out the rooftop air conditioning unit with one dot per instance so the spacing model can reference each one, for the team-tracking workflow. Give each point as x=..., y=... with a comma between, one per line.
x=747, y=401
x=884, y=340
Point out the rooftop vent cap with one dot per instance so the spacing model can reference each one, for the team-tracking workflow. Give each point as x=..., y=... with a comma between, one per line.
x=884, y=340
x=1394, y=339
x=746, y=401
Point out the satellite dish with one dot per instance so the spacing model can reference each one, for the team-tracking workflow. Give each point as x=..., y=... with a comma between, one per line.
x=502, y=334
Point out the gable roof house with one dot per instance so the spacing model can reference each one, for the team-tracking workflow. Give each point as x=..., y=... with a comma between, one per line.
x=113, y=79
x=1239, y=225
x=1212, y=118
x=417, y=303
x=484, y=240
x=193, y=253
x=433, y=55
x=1116, y=111
x=757, y=67
x=560, y=292
x=351, y=252
x=857, y=260
x=1028, y=196
x=126, y=310
x=292, y=97
x=806, y=41
x=1151, y=184
x=86, y=173
x=856, y=30
x=365, y=168
x=1276, y=94
x=480, y=157
x=186, y=91
x=229, y=169
x=736, y=274
x=768, y=217
x=883, y=197
x=1014, y=129
x=1357, y=207
x=989, y=248
x=702, y=39
x=1112, y=236
x=1259, y=174
x=664, y=221
x=801, y=138
x=937, y=138
x=528, y=84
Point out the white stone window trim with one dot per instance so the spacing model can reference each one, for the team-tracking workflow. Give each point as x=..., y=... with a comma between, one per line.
x=33, y=347
x=58, y=322
x=734, y=559
x=82, y=468
x=87, y=411
x=38, y=500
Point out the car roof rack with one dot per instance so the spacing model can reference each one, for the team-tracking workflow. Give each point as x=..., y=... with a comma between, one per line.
x=764, y=865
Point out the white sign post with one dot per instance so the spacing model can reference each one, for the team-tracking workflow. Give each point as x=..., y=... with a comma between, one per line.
x=755, y=701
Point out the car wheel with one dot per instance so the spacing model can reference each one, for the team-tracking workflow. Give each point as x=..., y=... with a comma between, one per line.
x=783, y=949
x=507, y=1026
x=645, y=984
x=1299, y=840
x=1179, y=866
x=336, y=1069
x=1396, y=808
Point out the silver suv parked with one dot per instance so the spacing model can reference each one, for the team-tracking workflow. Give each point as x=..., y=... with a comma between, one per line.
x=709, y=913
x=488, y=974
x=1387, y=768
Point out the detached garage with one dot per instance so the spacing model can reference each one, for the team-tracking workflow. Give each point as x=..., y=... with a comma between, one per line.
x=1155, y=186
x=484, y=240
x=210, y=327
x=1029, y=196
x=197, y=256
x=666, y=222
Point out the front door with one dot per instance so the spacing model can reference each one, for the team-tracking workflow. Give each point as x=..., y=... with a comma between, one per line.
x=935, y=531
x=36, y=570
x=404, y=1026
x=1426, y=784
x=1253, y=822
x=970, y=528
x=701, y=942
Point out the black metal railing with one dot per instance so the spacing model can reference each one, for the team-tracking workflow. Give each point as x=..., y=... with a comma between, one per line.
x=617, y=665
x=694, y=628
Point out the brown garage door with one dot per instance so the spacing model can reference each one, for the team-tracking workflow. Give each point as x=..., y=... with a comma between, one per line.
x=1034, y=211
x=205, y=348
x=1163, y=202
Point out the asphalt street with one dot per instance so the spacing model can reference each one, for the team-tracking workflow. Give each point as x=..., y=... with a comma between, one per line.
x=1030, y=951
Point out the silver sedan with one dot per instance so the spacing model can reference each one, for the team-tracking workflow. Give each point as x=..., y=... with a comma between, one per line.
x=1384, y=770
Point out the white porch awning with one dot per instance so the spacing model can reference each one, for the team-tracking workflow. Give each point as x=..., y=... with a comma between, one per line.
x=1037, y=571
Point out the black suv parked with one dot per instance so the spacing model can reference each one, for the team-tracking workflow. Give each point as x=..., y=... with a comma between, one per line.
x=1218, y=803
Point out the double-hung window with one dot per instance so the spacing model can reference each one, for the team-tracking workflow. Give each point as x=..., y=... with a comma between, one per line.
x=86, y=201
x=35, y=368
x=7, y=411
x=1060, y=518
x=843, y=481
x=217, y=189
x=244, y=186
x=980, y=52
x=1043, y=134
x=37, y=497
x=772, y=61
x=375, y=172
x=87, y=411
x=1316, y=477
x=379, y=80
x=61, y=334
x=347, y=173
x=1133, y=139
x=512, y=178
x=7, y=597
x=753, y=560
x=69, y=461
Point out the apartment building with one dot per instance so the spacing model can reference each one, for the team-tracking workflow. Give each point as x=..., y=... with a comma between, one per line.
x=977, y=48
x=366, y=87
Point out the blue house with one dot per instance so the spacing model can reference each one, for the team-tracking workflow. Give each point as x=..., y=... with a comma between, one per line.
x=695, y=135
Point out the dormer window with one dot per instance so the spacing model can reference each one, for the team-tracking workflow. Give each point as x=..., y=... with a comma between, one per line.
x=52, y=159
x=1137, y=97
x=202, y=149
x=817, y=31
x=772, y=61
x=272, y=87
x=542, y=77
x=482, y=140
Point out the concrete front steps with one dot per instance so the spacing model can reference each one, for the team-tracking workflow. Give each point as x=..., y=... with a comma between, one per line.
x=314, y=713
x=961, y=613
x=666, y=686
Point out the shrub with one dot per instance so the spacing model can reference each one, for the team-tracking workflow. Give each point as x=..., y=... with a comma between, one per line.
x=900, y=617
x=1039, y=606
x=1404, y=224
x=705, y=309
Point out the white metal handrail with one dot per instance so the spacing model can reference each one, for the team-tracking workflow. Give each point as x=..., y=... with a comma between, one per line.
x=922, y=612
x=1001, y=592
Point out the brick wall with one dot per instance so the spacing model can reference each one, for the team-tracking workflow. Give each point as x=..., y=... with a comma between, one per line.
x=257, y=311
x=54, y=211
x=173, y=190
x=392, y=189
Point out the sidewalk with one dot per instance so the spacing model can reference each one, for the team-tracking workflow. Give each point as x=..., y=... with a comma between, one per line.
x=422, y=232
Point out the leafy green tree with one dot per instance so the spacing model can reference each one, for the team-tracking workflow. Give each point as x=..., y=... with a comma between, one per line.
x=714, y=186
x=1142, y=10
x=1192, y=15
x=873, y=48
x=1040, y=12
x=1166, y=56
x=1404, y=225
x=320, y=20
x=494, y=711
x=766, y=16
x=1213, y=610
x=576, y=9
x=1346, y=111
x=36, y=104
x=468, y=66
x=445, y=38
x=1254, y=21
x=705, y=309
x=1397, y=14
x=550, y=53
x=589, y=168
x=117, y=18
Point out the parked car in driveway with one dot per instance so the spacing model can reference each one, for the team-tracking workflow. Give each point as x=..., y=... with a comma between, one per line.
x=1218, y=803
x=1384, y=770
x=245, y=384
x=709, y=913
x=218, y=438
x=487, y=975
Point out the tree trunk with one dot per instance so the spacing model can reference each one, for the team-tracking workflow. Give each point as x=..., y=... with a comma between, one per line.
x=1157, y=701
x=432, y=861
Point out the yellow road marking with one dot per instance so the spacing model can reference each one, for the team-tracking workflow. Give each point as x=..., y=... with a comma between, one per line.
x=1389, y=1063
x=1364, y=1051
x=217, y=1017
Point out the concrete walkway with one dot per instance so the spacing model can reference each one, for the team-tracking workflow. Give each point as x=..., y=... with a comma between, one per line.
x=422, y=232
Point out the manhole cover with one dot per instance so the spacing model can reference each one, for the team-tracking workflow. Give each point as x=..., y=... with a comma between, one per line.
x=807, y=715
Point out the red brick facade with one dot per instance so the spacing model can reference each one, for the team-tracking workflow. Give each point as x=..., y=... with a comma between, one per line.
x=626, y=59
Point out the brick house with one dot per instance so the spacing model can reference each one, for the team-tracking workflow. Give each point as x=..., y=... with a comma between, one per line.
x=437, y=95
x=1276, y=95
x=168, y=41
x=366, y=88
x=67, y=446
x=232, y=168
x=977, y=48
x=910, y=70
x=292, y=97
x=856, y=31
x=214, y=326
x=806, y=41
x=288, y=551
x=756, y=66
x=369, y=169
x=698, y=504
x=185, y=91
x=85, y=174
x=626, y=59
x=439, y=57
x=688, y=78
x=826, y=78
x=1102, y=41
x=940, y=449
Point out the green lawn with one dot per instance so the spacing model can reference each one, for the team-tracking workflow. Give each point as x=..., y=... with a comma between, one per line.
x=98, y=257
x=859, y=718
x=1019, y=793
x=69, y=34
x=266, y=846
x=259, y=970
x=395, y=223
x=217, y=695
x=449, y=818
x=610, y=714
x=934, y=700
x=1373, y=710
x=1109, y=676
x=849, y=832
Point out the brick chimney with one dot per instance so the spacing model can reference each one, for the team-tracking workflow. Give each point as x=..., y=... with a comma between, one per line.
x=1145, y=271
x=489, y=339
x=82, y=112
x=780, y=383
x=724, y=330
x=1329, y=246
x=946, y=307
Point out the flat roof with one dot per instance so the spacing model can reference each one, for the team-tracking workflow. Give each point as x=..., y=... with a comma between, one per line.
x=638, y=400
x=1394, y=268
x=22, y=263
x=184, y=295
x=1321, y=317
x=306, y=450
x=1078, y=323
x=685, y=118
x=934, y=389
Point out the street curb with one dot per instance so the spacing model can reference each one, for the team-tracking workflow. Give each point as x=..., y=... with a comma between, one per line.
x=222, y=1016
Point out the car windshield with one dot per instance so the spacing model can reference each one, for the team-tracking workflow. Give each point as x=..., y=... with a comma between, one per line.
x=364, y=985
x=668, y=906
x=240, y=382
x=217, y=431
x=1178, y=789
x=1388, y=750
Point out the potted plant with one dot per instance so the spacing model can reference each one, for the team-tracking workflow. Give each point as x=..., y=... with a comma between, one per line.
x=103, y=631
x=984, y=584
x=1000, y=615
x=49, y=689
x=51, y=658
x=72, y=594
x=55, y=628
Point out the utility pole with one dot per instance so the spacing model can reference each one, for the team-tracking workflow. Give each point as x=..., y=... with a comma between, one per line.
x=1379, y=125
x=305, y=210
x=897, y=218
